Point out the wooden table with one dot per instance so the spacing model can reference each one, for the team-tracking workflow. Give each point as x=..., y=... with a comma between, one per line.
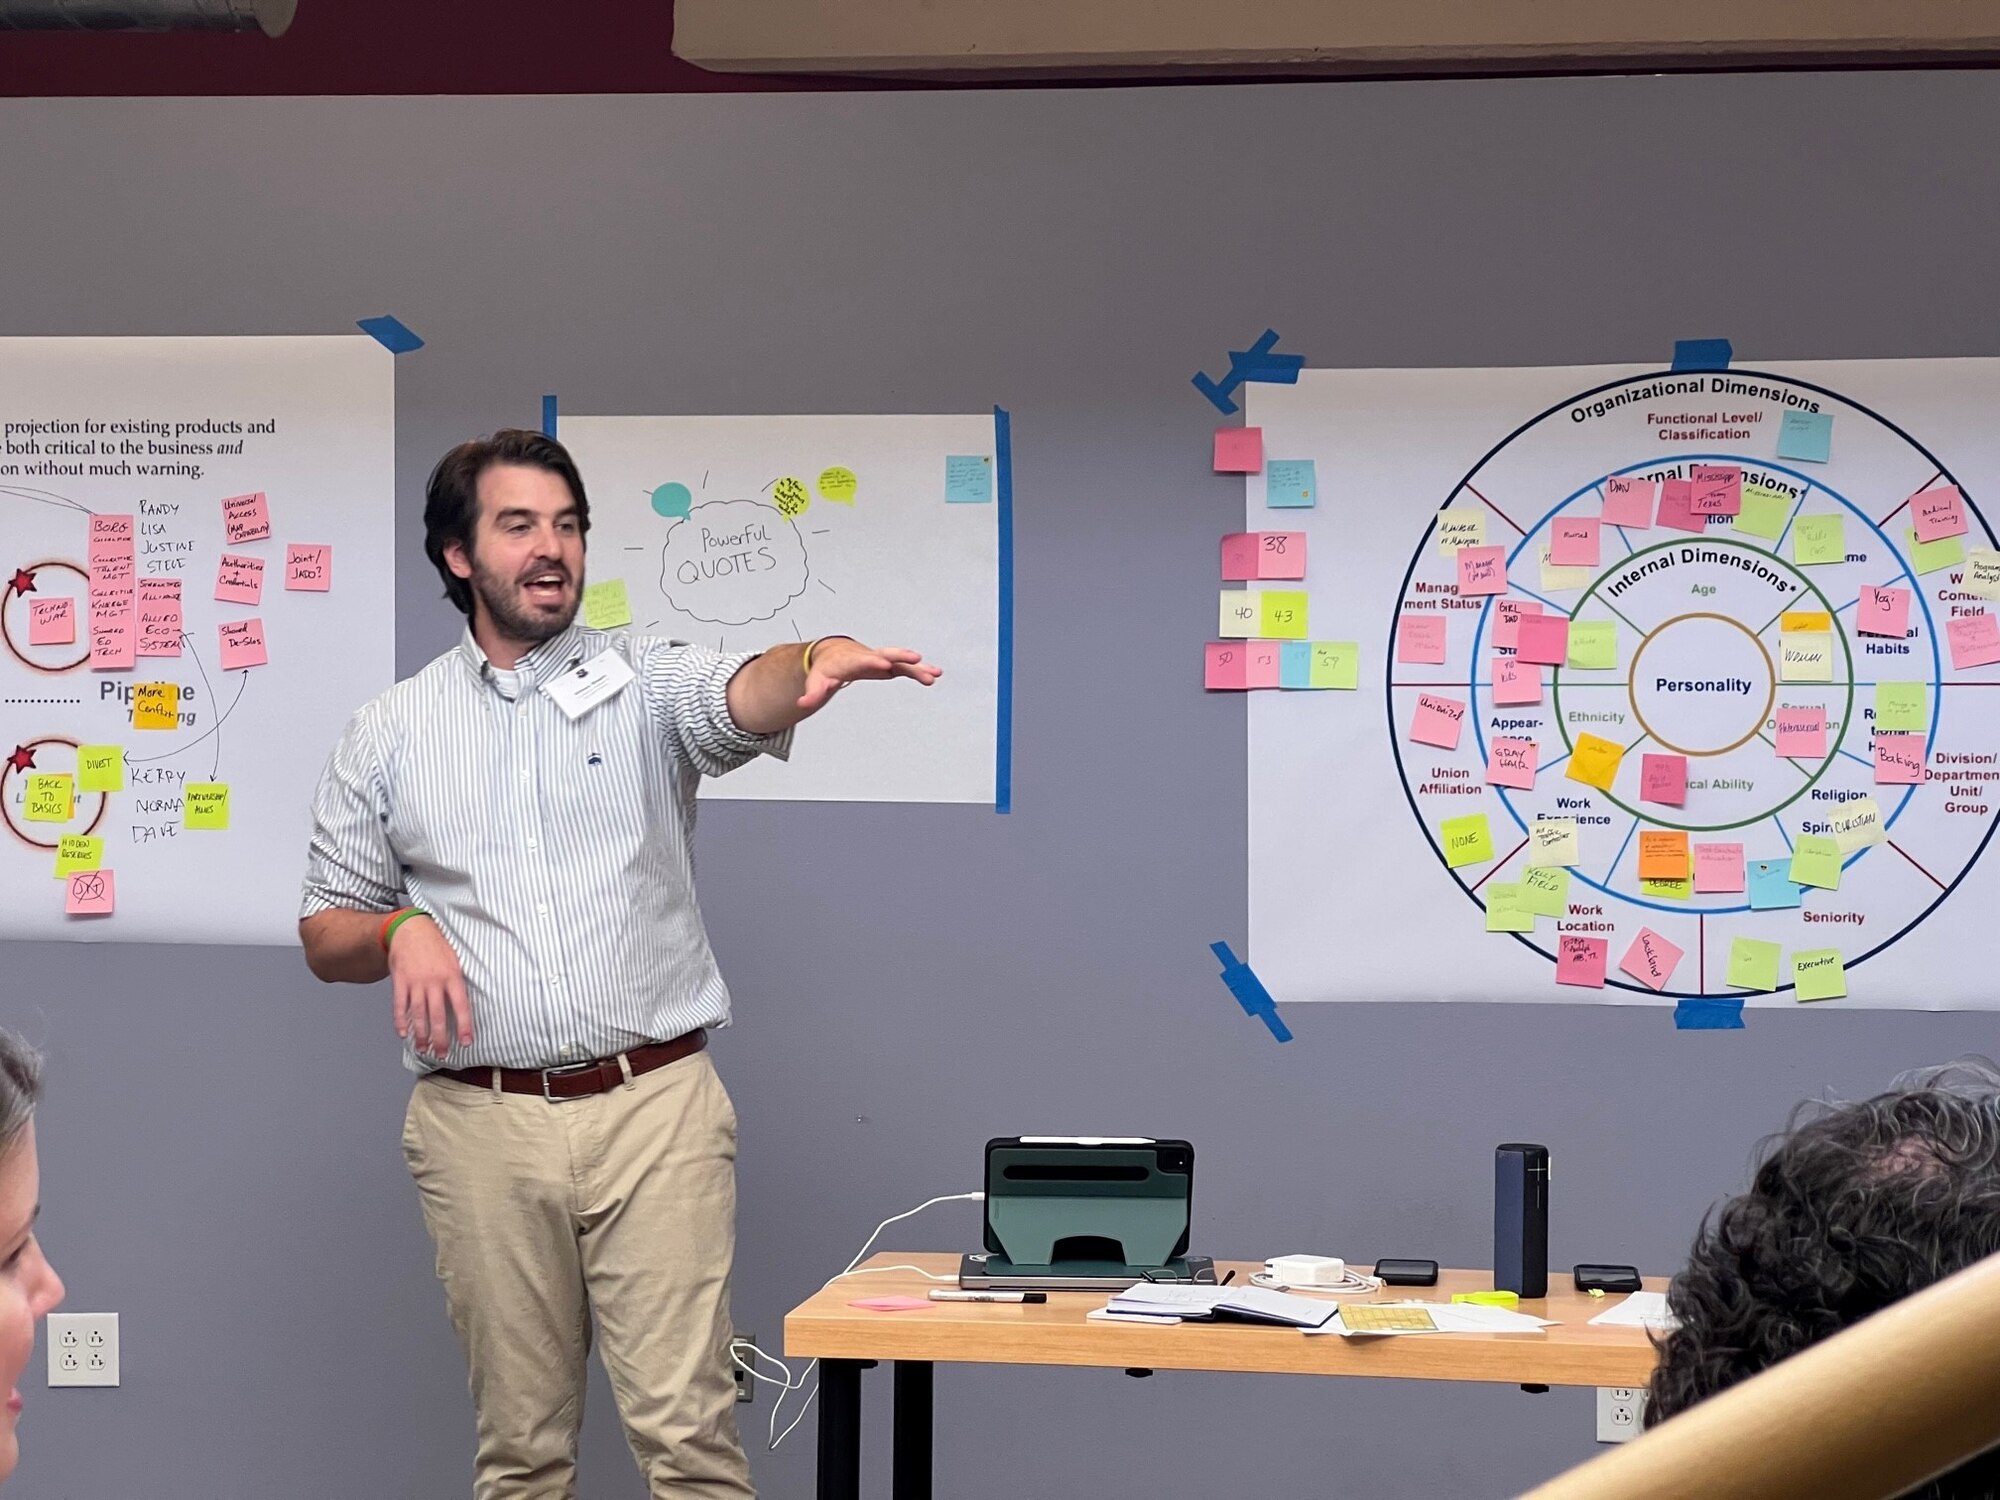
x=846, y=1340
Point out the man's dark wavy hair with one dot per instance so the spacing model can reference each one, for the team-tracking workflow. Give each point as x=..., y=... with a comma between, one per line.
x=451, y=498
x=1854, y=1207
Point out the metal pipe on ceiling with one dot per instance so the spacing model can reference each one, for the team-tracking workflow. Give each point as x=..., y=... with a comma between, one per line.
x=272, y=17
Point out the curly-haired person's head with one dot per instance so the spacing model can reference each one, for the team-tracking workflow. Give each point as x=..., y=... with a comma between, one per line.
x=1856, y=1206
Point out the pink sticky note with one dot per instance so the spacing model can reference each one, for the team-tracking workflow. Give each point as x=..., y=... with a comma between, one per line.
x=1420, y=639
x=1717, y=490
x=242, y=644
x=1975, y=640
x=1899, y=759
x=1802, y=733
x=1676, y=496
x=247, y=518
x=239, y=580
x=1664, y=779
x=1239, y=557
x=1482, y=570
x=1580, y=960
x=91, y=893
x=1512, y=763
x=52, y=621
x=1651, y=959
x=1718, y=867
x=1938, y=513
x=1883, y=612
x=114, y=628
x=1516, y=681
x=159, y=617
x=1438, y=721
x=112, y=530
x=1507, y=617
x=1280, y=554
x=1238, y=450
x=1543, y=639
x=1264, y=664
x=1225, y=667
x=1628, y=501
x=1573, y=543
x=892, y=1304
x=309, y=565
x=112, y=566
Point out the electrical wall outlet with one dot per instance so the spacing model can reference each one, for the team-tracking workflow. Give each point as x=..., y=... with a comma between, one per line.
x=83, y=1349
x=1621, y=1412
x=746, y=1388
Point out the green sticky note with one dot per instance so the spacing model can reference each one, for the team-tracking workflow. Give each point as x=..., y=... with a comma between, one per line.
x=1467, y=840
x=205, y=804
x=1545, y=890
x=1753, y=964
x=1668, y=890
x=100, y=768
x=605, y=606
x=78, y=851
x=1504, y=911
x=1335, y=664
x=1902, y=706
x=1819, y=974
x=1933, y=557
x=1764, y=512
x=1819, y=539
x=1816, y=861
x=1593, y=645
x=1282, y=615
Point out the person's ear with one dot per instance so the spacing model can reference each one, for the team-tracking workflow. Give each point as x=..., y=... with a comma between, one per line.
x=457, y=560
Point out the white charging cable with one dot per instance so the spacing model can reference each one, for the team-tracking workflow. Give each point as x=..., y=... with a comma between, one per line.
x=787, y=1385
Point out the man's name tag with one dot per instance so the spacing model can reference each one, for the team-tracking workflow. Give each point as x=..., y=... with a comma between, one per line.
x=581, y=688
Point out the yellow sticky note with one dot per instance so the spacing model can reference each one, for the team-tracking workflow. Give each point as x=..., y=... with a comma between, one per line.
x=1556, y=580
x=1819, y=539
x=1240, y=615
x=1681, y=889
x=1819, y=974
x=1553, y=841
x=100, y=768
x=1764, y=512
x=1856, y=824
x=605, y=606
x=1804, y=619
x=1544, y=890
x=1467, y=840
x=1982, y=573
x=838, y=484
x=1504, y=911
x=1460, y=528
x=1933, y=557
x=1335, y=664
x=1282, y=615
x=1753, y=964
x=50, y=797
x=1593, y=645
x=78, y=851
x=1594, y=761
x=205, y=804
x=1805, y=656
x=156, y=705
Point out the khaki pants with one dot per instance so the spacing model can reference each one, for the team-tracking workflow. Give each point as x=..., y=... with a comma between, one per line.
x=623, y=1204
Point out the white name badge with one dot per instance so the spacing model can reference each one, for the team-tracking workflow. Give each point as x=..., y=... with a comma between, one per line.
x=581, y=688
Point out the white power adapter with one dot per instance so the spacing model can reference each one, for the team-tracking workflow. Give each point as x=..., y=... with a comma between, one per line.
x=1307, y=1270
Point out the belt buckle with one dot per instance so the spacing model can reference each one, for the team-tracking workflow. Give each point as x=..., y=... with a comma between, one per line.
x=548, y=1073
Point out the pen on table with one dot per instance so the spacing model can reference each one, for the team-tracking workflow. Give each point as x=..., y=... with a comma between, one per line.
x=1228, y=1278
x=939, y=1294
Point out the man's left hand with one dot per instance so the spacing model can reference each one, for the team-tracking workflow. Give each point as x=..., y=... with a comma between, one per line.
x=839, y=661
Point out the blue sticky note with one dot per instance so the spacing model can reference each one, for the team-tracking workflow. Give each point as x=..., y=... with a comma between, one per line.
x=1290, y=484
x=1295, y=660
x=1771, y=887
x=392, y=333
x=968, y=479
x=1806, y=435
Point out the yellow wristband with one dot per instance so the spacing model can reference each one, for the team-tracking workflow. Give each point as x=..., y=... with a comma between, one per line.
x=806, y=665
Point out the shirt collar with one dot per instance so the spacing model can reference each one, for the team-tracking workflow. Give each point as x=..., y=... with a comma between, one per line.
x=538, y=665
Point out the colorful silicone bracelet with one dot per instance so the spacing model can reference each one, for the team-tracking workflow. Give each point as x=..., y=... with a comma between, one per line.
x=396, y=919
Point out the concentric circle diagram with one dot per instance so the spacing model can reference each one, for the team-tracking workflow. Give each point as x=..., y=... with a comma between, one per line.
x=1757, y=597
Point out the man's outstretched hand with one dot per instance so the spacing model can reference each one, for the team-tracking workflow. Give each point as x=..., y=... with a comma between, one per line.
x=837, y=662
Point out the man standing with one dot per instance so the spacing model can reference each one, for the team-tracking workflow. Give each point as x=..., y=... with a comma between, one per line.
x=506, y=836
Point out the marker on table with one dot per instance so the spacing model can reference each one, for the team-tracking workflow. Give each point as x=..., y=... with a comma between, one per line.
x=939, y=1294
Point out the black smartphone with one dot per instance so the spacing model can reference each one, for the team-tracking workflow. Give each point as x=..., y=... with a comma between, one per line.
x=1407, y=1272
x=1607, y=1278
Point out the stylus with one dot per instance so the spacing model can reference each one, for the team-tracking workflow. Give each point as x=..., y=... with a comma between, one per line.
x=938, y=1294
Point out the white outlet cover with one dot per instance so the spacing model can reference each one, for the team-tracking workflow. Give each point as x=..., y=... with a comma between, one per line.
x=1621, y=1413
x=83, y=1348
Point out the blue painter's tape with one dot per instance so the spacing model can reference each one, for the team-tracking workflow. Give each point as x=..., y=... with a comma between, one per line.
x=392, y=334
x=1003, y=717
x=1702, y=354
x=1258, y=362
x=1217, y=394
x=548, y=416
x=1708, y=1015
x=1249, y=991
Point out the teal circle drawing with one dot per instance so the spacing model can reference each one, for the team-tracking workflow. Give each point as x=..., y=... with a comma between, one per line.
x=673, y=500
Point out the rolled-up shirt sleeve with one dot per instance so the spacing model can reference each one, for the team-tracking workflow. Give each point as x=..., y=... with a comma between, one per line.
x=688, y=688
x=350, y=863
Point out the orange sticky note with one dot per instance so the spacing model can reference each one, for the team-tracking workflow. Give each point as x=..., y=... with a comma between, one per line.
x=1663, y=854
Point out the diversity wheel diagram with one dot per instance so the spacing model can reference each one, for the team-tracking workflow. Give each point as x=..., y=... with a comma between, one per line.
x=1692, y=640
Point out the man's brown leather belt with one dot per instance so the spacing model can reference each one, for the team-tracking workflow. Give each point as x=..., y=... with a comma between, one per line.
x=579, y=1080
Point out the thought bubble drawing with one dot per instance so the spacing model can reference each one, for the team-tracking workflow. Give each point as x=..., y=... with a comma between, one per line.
x=733, y=561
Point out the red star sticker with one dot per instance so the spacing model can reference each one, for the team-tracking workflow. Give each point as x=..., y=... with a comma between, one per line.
x=23, y=759
x=23, y=581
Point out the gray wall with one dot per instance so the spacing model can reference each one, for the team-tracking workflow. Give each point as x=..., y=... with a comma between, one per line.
x=221, y=1136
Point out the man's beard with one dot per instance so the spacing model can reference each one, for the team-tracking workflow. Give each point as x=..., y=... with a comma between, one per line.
x=514, y=619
